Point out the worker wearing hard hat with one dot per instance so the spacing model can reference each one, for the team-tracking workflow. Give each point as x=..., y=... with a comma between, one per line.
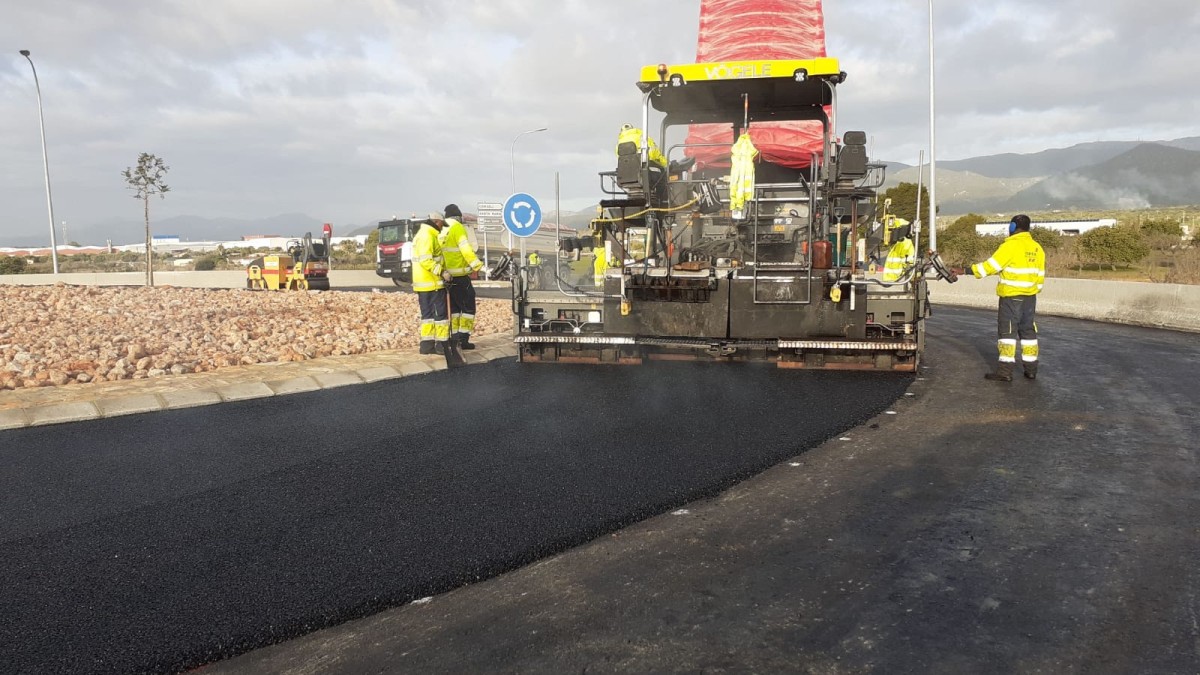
x=1021, y=264
x=429, y=279
x=903, y=254
x=632, y=134
x=461, y=261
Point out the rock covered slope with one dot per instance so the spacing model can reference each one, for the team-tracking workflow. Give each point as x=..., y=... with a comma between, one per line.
x=59, y=335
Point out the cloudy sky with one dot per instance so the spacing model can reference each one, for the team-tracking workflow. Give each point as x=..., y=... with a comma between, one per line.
x=353, y=110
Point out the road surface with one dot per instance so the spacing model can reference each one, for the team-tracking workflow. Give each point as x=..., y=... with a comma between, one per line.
x=166, y=541
x=985, y=527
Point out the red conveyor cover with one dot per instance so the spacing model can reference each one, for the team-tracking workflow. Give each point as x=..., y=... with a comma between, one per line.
x=745, y=30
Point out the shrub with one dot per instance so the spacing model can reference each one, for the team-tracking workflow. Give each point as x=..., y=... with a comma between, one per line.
x=1113, y=246
x=10, y=264
x=1050, y=240
x=206, y=264
x=1163, y=226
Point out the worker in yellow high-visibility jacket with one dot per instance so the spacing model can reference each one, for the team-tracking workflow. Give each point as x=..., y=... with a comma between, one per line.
x=429, y=279
x=741, y=174
x=599, y=266
x=632, y=134
x=903, y=253
x=461, y=261
x=1021, y=264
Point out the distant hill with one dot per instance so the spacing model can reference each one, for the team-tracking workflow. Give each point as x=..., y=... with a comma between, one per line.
x=965, y=191
x=357, y=231
x=1148, y=175
x=1057, y=160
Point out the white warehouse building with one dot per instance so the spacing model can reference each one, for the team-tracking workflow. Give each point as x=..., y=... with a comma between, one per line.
x=1069, y=227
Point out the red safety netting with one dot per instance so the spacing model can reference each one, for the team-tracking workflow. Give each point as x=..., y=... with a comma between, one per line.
x=743, y=30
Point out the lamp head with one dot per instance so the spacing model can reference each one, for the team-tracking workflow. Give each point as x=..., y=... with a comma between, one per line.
x=25, y=52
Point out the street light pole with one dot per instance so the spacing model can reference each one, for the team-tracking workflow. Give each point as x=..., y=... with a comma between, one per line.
x=45, y=161
x=932, y=142
x=512, y=166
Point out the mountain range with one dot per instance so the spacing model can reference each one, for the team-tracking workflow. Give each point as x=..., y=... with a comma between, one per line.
x=1087, y=176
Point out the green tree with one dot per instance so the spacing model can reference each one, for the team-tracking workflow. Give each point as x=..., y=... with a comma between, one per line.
x=1113, y=246
x=205, y=264
x=966, y=223
x=1051, y=240
x=904, y=201
x=372, y=244
x=11, y=264
x=959, y=244
x=1164, y=226
x=146, y=180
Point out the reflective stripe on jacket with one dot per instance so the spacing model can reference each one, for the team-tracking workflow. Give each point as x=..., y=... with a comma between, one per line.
x=427, y=260
x=1021, y=264
x=901, y=256
x=457, y=250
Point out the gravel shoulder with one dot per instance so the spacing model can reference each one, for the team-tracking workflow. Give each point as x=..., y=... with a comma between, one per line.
x=65, y=335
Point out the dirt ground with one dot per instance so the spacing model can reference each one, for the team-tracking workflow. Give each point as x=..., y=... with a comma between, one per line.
x=68, y=335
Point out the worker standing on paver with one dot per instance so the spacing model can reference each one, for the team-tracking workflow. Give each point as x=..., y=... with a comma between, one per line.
x=461, y=261
x=429, y=279
x=599, y=266
x=903, y=253
x=1021, y=264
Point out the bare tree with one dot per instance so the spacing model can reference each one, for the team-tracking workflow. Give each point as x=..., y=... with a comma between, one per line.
x=146, y=180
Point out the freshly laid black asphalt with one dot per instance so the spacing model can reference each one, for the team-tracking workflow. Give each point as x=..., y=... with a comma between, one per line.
x=165, y=541
x=1045, y=526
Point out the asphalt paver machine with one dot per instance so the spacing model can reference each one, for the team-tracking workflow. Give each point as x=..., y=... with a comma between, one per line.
x=702, y=262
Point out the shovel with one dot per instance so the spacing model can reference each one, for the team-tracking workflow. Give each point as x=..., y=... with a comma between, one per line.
x=454, y=357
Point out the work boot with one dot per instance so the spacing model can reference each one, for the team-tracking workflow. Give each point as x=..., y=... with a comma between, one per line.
x=1003, y=373
x=439, y=348
x=464, y=341
x=1031, y=371
x=426, y=346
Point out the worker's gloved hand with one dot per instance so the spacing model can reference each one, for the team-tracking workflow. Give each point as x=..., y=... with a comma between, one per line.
x=447, y=277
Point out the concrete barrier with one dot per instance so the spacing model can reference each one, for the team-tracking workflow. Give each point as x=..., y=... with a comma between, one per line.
x=1143, y=304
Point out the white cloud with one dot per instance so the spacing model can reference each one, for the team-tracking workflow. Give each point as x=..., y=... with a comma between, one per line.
x=353, y=111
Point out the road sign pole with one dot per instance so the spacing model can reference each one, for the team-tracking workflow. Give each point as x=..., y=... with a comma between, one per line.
x=487, y=216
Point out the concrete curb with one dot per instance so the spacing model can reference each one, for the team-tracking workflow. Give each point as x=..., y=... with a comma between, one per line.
x=491, y=348
x=1172, y=306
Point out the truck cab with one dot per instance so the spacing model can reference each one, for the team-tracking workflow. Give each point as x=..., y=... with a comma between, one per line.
x=393, y=256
